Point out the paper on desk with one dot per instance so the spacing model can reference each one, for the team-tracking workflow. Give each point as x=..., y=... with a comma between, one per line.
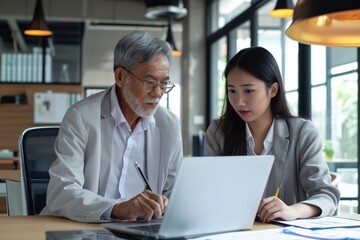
x=324, y=222
x=276, y=233
x=325, y=234
x=288, y=233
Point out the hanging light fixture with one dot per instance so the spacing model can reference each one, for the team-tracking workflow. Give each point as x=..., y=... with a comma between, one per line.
x=170, y=39
x=38, y=26
x=156, y=9
x=166, y=9
x=326, y=22
x=283, y=9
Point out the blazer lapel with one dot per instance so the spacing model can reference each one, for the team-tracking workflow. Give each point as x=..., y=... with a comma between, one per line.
x=107, y=135
x=281, y=140
x=280, y=149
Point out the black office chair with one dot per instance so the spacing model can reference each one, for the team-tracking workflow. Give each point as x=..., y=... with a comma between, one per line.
x=36, y=148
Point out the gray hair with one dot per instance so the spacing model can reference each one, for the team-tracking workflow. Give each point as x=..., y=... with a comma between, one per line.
x=138, y=48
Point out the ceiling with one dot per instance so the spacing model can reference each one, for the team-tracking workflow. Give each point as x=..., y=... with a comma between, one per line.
x=71, y=31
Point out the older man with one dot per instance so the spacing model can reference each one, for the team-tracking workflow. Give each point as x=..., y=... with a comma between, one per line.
x=102, y=137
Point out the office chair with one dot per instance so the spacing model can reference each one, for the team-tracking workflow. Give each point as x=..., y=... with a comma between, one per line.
x=36, y=148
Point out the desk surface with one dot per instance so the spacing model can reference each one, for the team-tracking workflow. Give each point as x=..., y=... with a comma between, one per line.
x=34, y=227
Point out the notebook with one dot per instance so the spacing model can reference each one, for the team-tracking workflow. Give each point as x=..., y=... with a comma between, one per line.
x=210, y=195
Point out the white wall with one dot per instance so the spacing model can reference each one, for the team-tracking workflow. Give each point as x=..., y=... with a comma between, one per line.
x=98, y=46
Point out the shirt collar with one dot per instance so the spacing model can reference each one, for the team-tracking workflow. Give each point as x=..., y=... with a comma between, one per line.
x=267, y=141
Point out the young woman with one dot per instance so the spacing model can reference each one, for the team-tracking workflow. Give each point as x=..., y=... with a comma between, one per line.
x=257, y=121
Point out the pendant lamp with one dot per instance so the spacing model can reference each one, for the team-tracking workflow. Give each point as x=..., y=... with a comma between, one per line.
x=166, y=9
x=283, y=9
x=170, y=39
x=326, y=22
x=38, y=26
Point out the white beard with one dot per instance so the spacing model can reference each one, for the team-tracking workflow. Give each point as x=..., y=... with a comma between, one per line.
x=136, y=105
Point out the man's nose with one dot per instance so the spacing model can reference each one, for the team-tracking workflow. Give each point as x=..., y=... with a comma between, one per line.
x=157, y=92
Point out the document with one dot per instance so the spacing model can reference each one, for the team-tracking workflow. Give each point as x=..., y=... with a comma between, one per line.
x=289, y=233
x=276, y=234
x=50, y=107
x=320, y=223
x=326, y=234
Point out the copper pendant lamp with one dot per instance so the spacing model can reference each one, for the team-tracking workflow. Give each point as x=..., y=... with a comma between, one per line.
x=326, y=22
x=38, y=26
x=283, y=9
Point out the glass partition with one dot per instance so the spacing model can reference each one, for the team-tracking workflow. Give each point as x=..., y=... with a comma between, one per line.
x=29, y=59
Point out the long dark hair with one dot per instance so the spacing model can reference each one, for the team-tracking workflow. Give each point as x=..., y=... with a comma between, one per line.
x=260, y=63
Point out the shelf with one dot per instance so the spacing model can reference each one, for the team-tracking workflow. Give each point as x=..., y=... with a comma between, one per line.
x=15, y=118
x=39, y=83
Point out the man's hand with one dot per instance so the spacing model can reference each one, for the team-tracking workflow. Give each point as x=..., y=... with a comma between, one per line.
x=145, y=206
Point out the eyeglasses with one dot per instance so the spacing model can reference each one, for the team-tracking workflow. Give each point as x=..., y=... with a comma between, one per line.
x=150, y=85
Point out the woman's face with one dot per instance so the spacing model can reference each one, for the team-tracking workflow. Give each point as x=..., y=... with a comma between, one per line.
x=249, y=95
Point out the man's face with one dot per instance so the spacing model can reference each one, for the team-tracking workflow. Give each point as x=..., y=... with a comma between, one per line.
x=141, y=102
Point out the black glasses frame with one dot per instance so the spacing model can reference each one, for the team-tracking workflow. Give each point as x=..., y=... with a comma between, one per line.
x=150, y=85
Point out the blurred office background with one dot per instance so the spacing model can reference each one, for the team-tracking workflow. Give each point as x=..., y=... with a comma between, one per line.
x=321, y=82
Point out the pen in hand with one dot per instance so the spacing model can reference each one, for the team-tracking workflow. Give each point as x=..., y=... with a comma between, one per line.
x=143, y=176
x=277, y=192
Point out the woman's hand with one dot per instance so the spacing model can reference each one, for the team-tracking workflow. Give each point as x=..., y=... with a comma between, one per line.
x=274, y=208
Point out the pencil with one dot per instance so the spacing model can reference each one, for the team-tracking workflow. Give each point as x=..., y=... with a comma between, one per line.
x=277, y=192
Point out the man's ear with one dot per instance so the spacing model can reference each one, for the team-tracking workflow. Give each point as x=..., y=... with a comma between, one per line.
x=118, y=75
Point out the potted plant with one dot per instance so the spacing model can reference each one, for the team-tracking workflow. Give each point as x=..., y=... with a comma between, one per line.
x=328, y=150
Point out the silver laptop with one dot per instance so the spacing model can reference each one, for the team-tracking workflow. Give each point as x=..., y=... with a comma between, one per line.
x=210, y=195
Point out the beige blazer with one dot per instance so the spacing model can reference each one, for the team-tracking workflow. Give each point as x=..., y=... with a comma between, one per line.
x=79, y=175
x=298, y=164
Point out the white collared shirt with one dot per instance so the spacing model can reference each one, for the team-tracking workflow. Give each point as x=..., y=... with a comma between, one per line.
x=268, y=141
x=124, y=181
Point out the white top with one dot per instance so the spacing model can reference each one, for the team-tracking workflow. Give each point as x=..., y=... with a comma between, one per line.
x=268, y=141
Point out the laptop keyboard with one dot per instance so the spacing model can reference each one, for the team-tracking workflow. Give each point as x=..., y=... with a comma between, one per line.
x=153, y=228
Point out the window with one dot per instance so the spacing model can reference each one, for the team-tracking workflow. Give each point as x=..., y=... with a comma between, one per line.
x=271, y=35
x=242, y=37
x=218, y=63
x=334, y=105
x=172, y=100
x=223, y=11
x=319, y=89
